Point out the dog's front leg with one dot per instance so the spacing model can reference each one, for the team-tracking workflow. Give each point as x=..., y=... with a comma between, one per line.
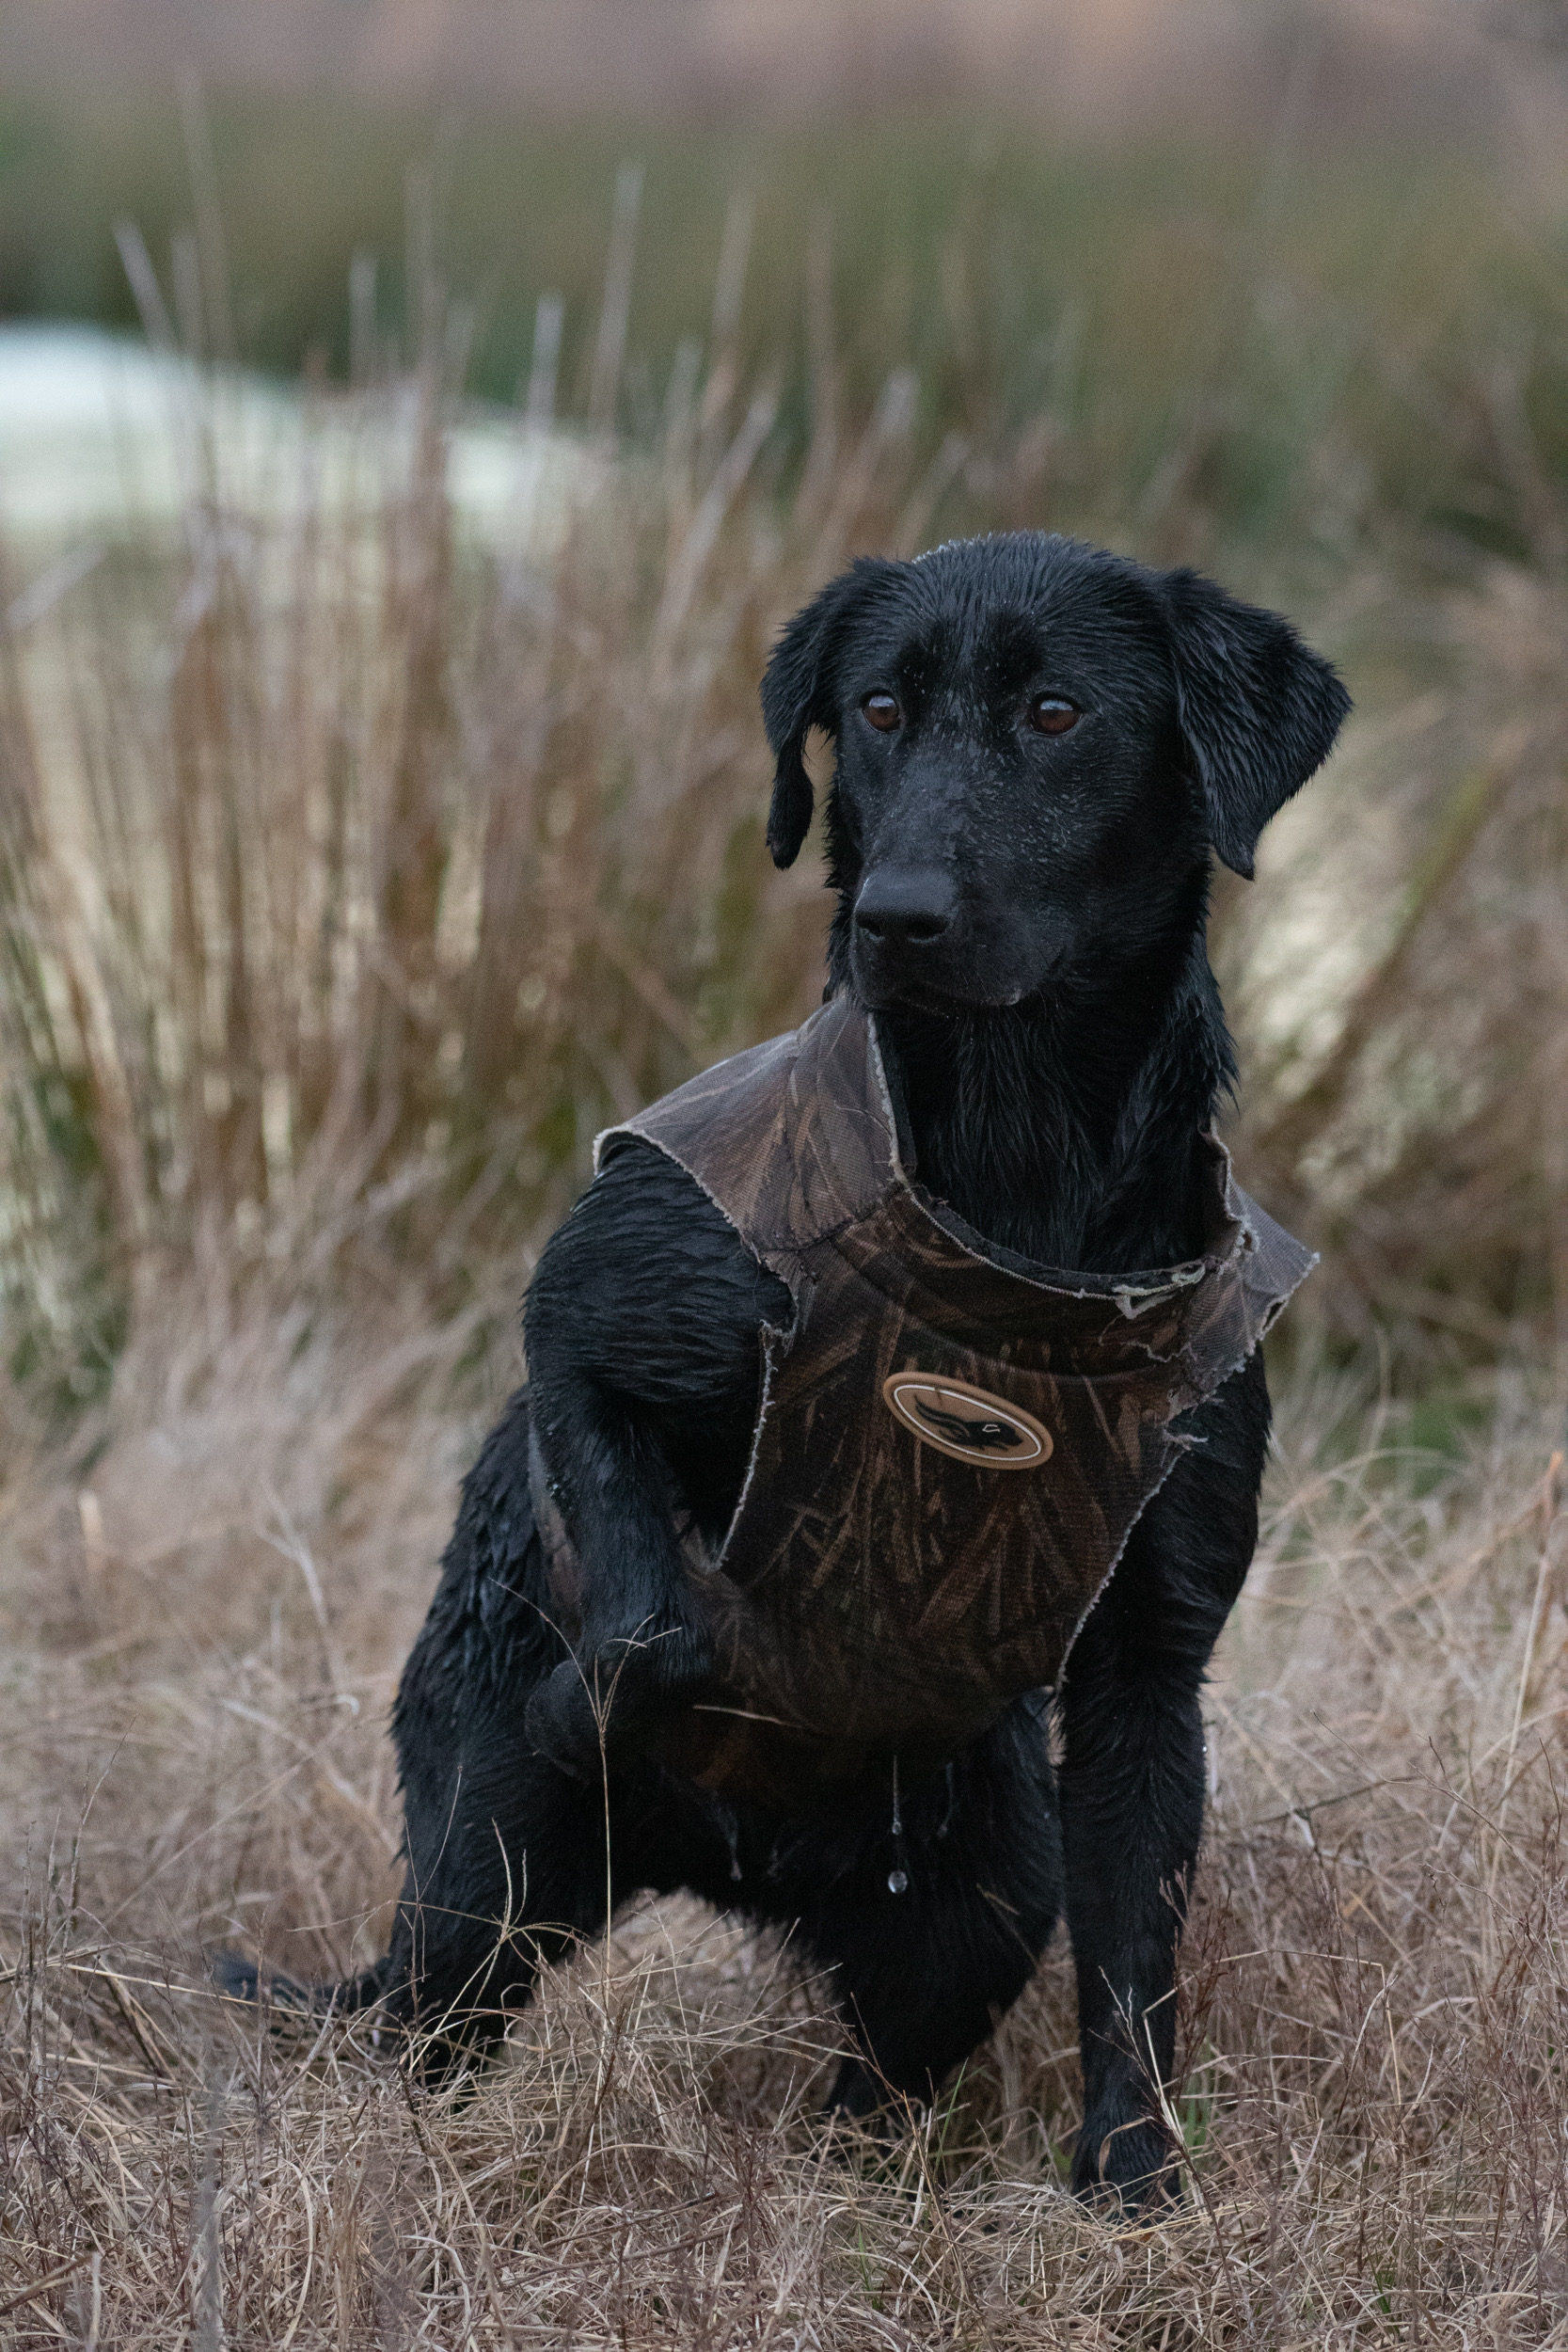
x=640, y=1647
x=1133, y=1784
x=642, y=1328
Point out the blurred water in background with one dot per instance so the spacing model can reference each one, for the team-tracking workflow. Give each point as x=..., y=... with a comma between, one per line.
x=100, y=436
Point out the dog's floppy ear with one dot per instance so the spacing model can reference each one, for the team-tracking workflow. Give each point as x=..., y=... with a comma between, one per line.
x=797, y=695
x=1257, y=709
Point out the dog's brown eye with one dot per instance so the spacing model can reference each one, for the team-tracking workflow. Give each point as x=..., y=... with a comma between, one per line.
x=1050, y=714
x=883, y=711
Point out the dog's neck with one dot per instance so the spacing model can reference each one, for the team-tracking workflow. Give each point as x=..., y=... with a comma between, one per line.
x=1066, y=1129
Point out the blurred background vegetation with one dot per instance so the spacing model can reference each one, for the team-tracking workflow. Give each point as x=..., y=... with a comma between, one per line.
x=370, y=841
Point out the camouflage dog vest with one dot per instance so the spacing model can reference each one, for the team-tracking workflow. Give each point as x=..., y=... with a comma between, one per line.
x=952, y=1445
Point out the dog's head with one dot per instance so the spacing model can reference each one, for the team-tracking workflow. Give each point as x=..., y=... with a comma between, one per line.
x=1038, y=745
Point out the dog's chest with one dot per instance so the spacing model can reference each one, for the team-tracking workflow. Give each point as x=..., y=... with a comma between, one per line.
x=946, y=1466
x=949, y=1455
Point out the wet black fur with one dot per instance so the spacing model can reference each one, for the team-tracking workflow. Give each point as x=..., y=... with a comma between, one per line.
x=1058, y=1045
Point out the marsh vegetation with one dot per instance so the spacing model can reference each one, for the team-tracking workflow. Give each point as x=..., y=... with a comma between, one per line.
x=368, y=841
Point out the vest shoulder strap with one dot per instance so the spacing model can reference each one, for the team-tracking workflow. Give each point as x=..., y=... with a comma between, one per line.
x=795, y=1139
x=792, y=1140
x=1272, y=1266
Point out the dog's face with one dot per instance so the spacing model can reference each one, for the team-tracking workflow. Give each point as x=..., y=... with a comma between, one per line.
x=1038, y=746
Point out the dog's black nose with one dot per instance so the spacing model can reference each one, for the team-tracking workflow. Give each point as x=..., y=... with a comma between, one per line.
x=901, y=909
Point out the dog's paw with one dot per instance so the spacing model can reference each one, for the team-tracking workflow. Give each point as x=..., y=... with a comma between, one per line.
x=563, y=1722
x=1128, y=2166
x=862, y=2094
x=609, y=1700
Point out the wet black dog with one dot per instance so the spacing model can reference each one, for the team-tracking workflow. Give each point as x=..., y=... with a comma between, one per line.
x=1038, y=748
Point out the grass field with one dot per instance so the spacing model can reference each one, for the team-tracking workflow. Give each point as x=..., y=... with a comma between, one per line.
x=359, y=857
x=203, y=1632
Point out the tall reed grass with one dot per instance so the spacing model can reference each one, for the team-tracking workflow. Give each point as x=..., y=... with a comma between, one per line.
x=353, y=871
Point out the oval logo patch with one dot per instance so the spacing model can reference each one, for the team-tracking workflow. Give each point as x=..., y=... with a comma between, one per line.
x=968, y=1424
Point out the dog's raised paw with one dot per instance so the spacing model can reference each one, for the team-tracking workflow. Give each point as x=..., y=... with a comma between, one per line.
x=610, y=1701
x=564, y=1724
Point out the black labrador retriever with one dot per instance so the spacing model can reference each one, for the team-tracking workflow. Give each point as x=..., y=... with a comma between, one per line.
x=1040, y=746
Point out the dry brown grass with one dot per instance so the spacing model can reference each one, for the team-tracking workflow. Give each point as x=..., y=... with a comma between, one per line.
x=353, y=872
x=202, y=1645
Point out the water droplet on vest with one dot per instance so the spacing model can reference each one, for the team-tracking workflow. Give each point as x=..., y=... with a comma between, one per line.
x=897, y=1881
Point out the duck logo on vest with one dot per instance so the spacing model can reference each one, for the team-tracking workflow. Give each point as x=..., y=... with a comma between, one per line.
x=968, y=1423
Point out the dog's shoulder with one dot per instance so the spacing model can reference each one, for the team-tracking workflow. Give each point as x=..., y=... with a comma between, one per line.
x=648, y=1277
